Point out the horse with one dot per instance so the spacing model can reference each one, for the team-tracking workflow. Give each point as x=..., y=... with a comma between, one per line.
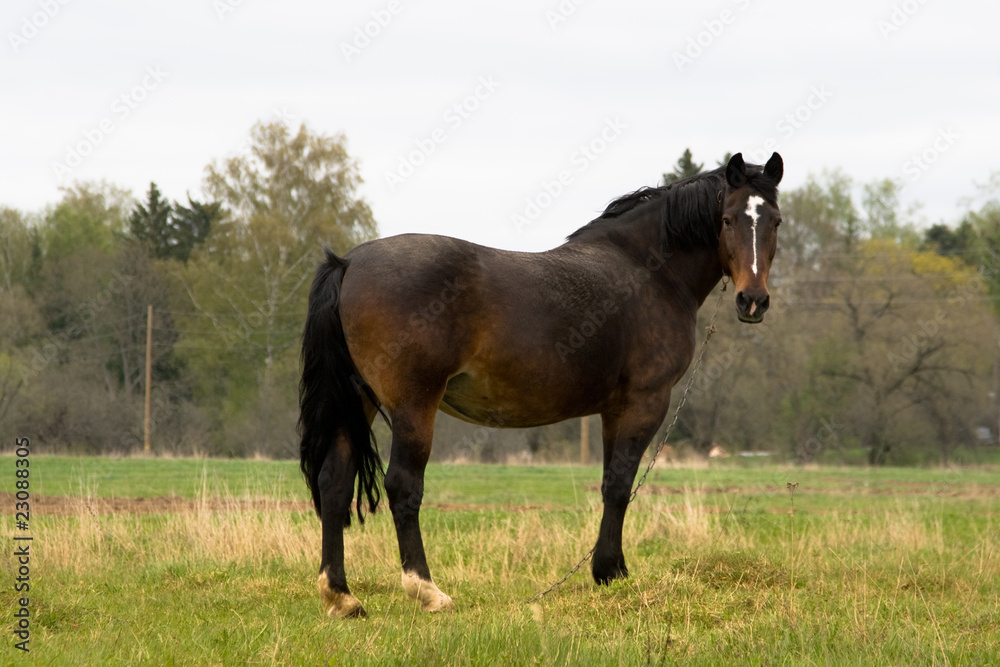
x=603, y=324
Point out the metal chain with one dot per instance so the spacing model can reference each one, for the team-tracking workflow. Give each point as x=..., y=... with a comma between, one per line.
x=709, y=332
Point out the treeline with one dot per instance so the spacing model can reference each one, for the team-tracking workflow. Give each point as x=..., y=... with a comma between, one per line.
x=228, y=281
x=881, y=344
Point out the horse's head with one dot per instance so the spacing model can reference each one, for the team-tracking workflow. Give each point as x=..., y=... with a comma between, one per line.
x=749, y=236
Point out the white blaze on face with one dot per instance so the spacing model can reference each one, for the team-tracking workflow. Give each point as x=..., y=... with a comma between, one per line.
x=753, y=204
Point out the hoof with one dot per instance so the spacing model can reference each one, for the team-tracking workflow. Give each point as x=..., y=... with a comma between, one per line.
x=605, y=572
x=337, y=604
x=426, y=593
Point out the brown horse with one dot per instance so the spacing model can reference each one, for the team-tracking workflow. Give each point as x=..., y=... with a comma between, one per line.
x=603, y=324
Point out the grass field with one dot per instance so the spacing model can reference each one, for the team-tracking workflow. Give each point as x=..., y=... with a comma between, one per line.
x=206, y=562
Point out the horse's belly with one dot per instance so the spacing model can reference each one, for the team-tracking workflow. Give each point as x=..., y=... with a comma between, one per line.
x=472, y=399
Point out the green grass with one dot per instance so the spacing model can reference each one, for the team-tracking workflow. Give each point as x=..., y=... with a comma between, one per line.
x=151, y=477
x=874, y=566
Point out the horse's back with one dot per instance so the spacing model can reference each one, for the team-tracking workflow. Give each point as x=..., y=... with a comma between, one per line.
x=425, y=311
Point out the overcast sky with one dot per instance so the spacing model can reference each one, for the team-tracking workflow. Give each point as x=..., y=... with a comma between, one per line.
x=562, y=106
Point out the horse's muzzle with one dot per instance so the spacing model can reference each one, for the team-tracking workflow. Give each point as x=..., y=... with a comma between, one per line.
x=751, y=304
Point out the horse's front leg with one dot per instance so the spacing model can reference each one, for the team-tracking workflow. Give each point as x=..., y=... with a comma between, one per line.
x=412, y=432
x=626, y=436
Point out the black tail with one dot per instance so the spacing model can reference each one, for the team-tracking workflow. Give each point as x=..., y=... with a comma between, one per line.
x=330, y=391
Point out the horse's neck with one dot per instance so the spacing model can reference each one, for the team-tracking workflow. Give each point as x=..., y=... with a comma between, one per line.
x=692, y=272
x=695, y=271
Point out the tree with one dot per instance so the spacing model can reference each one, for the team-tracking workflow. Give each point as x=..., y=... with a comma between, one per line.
x=89, y=215
x=899, y=345
x=193, y=223
x=986, y=223
x=821, y=223
x=150, y=224
x=171, y=232
x=20, y=250
x=961, y=242
x=75, y=376
x=976, y=239
x=248, y=283
x=880, y=204
x=21, y=322
x=685, y=168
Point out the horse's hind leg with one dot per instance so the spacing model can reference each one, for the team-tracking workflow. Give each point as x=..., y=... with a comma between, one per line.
x=412, y=432
x=336, y=487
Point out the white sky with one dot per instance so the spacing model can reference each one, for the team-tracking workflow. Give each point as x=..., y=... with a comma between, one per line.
x=609, y=67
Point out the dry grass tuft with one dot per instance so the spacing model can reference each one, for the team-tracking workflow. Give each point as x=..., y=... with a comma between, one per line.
x=223, y=529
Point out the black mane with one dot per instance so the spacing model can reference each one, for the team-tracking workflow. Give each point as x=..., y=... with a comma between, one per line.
x=691, y=208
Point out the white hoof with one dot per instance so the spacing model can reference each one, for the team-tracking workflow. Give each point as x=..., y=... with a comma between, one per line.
x=426, y=593
x=337, y=604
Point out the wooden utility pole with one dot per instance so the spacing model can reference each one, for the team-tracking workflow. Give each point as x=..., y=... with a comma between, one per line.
x=149, y=376
x=584, y=441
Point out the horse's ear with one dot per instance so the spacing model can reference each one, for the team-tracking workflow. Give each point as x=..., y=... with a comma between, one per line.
x=775, y=168
x=736, y=171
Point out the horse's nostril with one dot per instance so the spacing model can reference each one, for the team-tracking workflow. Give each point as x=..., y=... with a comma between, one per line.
x=751, y=303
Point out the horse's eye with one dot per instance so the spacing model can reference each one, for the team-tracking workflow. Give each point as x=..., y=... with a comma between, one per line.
x=728, y=220
x=777, y=222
